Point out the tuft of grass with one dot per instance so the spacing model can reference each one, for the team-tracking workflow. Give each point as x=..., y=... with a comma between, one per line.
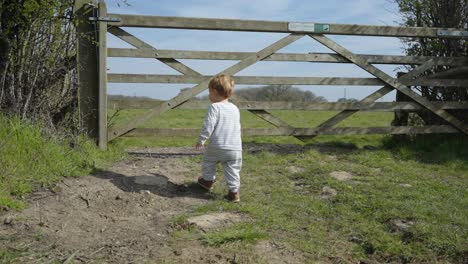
x=240, y=233
x=29, y=158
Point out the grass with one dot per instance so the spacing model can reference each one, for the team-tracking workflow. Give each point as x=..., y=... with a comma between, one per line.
x=359, y=223
x=30, y=159
x=242, y=232
x=421, y=181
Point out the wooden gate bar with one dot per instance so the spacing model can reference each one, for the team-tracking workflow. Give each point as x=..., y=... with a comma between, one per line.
x=298, y=132
x=289, y=105
x=139, y=44
x=271, y=118
x=299, y=57
x=187, y=94
x=266, y=80
x=391, y=81
x=281, y=26
x=450, y=73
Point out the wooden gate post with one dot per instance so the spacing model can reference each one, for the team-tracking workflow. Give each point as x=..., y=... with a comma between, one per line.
x=92, y=75
x=102, y=38
x=88, y=82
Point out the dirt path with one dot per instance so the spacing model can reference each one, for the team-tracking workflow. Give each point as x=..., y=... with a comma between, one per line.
x=124, y=214
x=120, y=215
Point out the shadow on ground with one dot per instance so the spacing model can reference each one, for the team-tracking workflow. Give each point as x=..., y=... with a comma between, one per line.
x=155, y=183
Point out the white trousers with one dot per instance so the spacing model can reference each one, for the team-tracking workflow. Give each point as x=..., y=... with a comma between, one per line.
x=232, y=163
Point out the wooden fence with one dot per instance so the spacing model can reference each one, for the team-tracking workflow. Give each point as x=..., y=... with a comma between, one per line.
x=98, y=23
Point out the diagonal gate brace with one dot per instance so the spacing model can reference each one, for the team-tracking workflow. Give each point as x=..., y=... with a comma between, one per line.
x=362, y=63
x=184, y=96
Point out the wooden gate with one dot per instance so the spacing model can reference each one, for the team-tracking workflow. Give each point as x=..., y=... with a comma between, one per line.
x=113, y=23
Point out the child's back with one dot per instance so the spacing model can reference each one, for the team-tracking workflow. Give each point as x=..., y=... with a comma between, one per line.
x=224, y=117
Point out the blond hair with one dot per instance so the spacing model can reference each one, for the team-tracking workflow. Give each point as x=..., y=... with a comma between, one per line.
x=223, y=85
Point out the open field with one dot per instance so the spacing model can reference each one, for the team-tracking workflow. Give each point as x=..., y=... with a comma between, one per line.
x=182, y=118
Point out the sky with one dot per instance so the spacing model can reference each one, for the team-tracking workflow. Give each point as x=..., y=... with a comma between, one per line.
x=366, y=12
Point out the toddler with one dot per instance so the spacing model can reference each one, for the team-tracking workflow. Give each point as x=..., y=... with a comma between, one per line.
x=222, y=127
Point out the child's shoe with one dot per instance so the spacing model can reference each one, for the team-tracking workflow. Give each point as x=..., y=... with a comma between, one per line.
x=207, y=185
x=233, y=197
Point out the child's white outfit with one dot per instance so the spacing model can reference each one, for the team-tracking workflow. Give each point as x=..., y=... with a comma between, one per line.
x=222, y=126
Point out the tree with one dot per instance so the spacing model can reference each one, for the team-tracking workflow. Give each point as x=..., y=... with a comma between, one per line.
x=278, y=93
x=444, y=14
x=347, y=100
x=37, y=59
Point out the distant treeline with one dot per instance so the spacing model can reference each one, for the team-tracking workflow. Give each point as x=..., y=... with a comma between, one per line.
x=126, y=97
x=274, y=93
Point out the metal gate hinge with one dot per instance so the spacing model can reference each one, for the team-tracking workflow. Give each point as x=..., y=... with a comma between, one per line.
x=104, y=19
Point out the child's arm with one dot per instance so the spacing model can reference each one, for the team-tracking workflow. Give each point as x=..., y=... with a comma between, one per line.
x=209, y=124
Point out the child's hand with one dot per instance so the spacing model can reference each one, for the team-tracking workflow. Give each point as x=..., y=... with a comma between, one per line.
x=199, y=146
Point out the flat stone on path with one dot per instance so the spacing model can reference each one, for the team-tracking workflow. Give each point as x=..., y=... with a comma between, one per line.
x=8, y=220
x=405, y=185
x=160, y=181
x=401, y=225
x=295, y=169
x=328, y=192
x=341, y=175
x=215, y=220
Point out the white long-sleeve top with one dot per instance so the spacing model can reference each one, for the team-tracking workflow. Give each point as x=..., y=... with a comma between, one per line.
x=222, y=126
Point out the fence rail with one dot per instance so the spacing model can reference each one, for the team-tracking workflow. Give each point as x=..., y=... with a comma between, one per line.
x=278, y=105
x=267, y=80
x=298, y=57
x=192, y=132
x=282, y=26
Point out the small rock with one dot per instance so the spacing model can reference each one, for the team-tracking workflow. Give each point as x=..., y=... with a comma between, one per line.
x=118, y=197
x=8, y=220
x=341, y=175
x=400, y=225
x=405, y=185
x=177, y=252
x=216, y=220
x=295, y=169
x=56, y=189
x=145, y=192
x=328, y=192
